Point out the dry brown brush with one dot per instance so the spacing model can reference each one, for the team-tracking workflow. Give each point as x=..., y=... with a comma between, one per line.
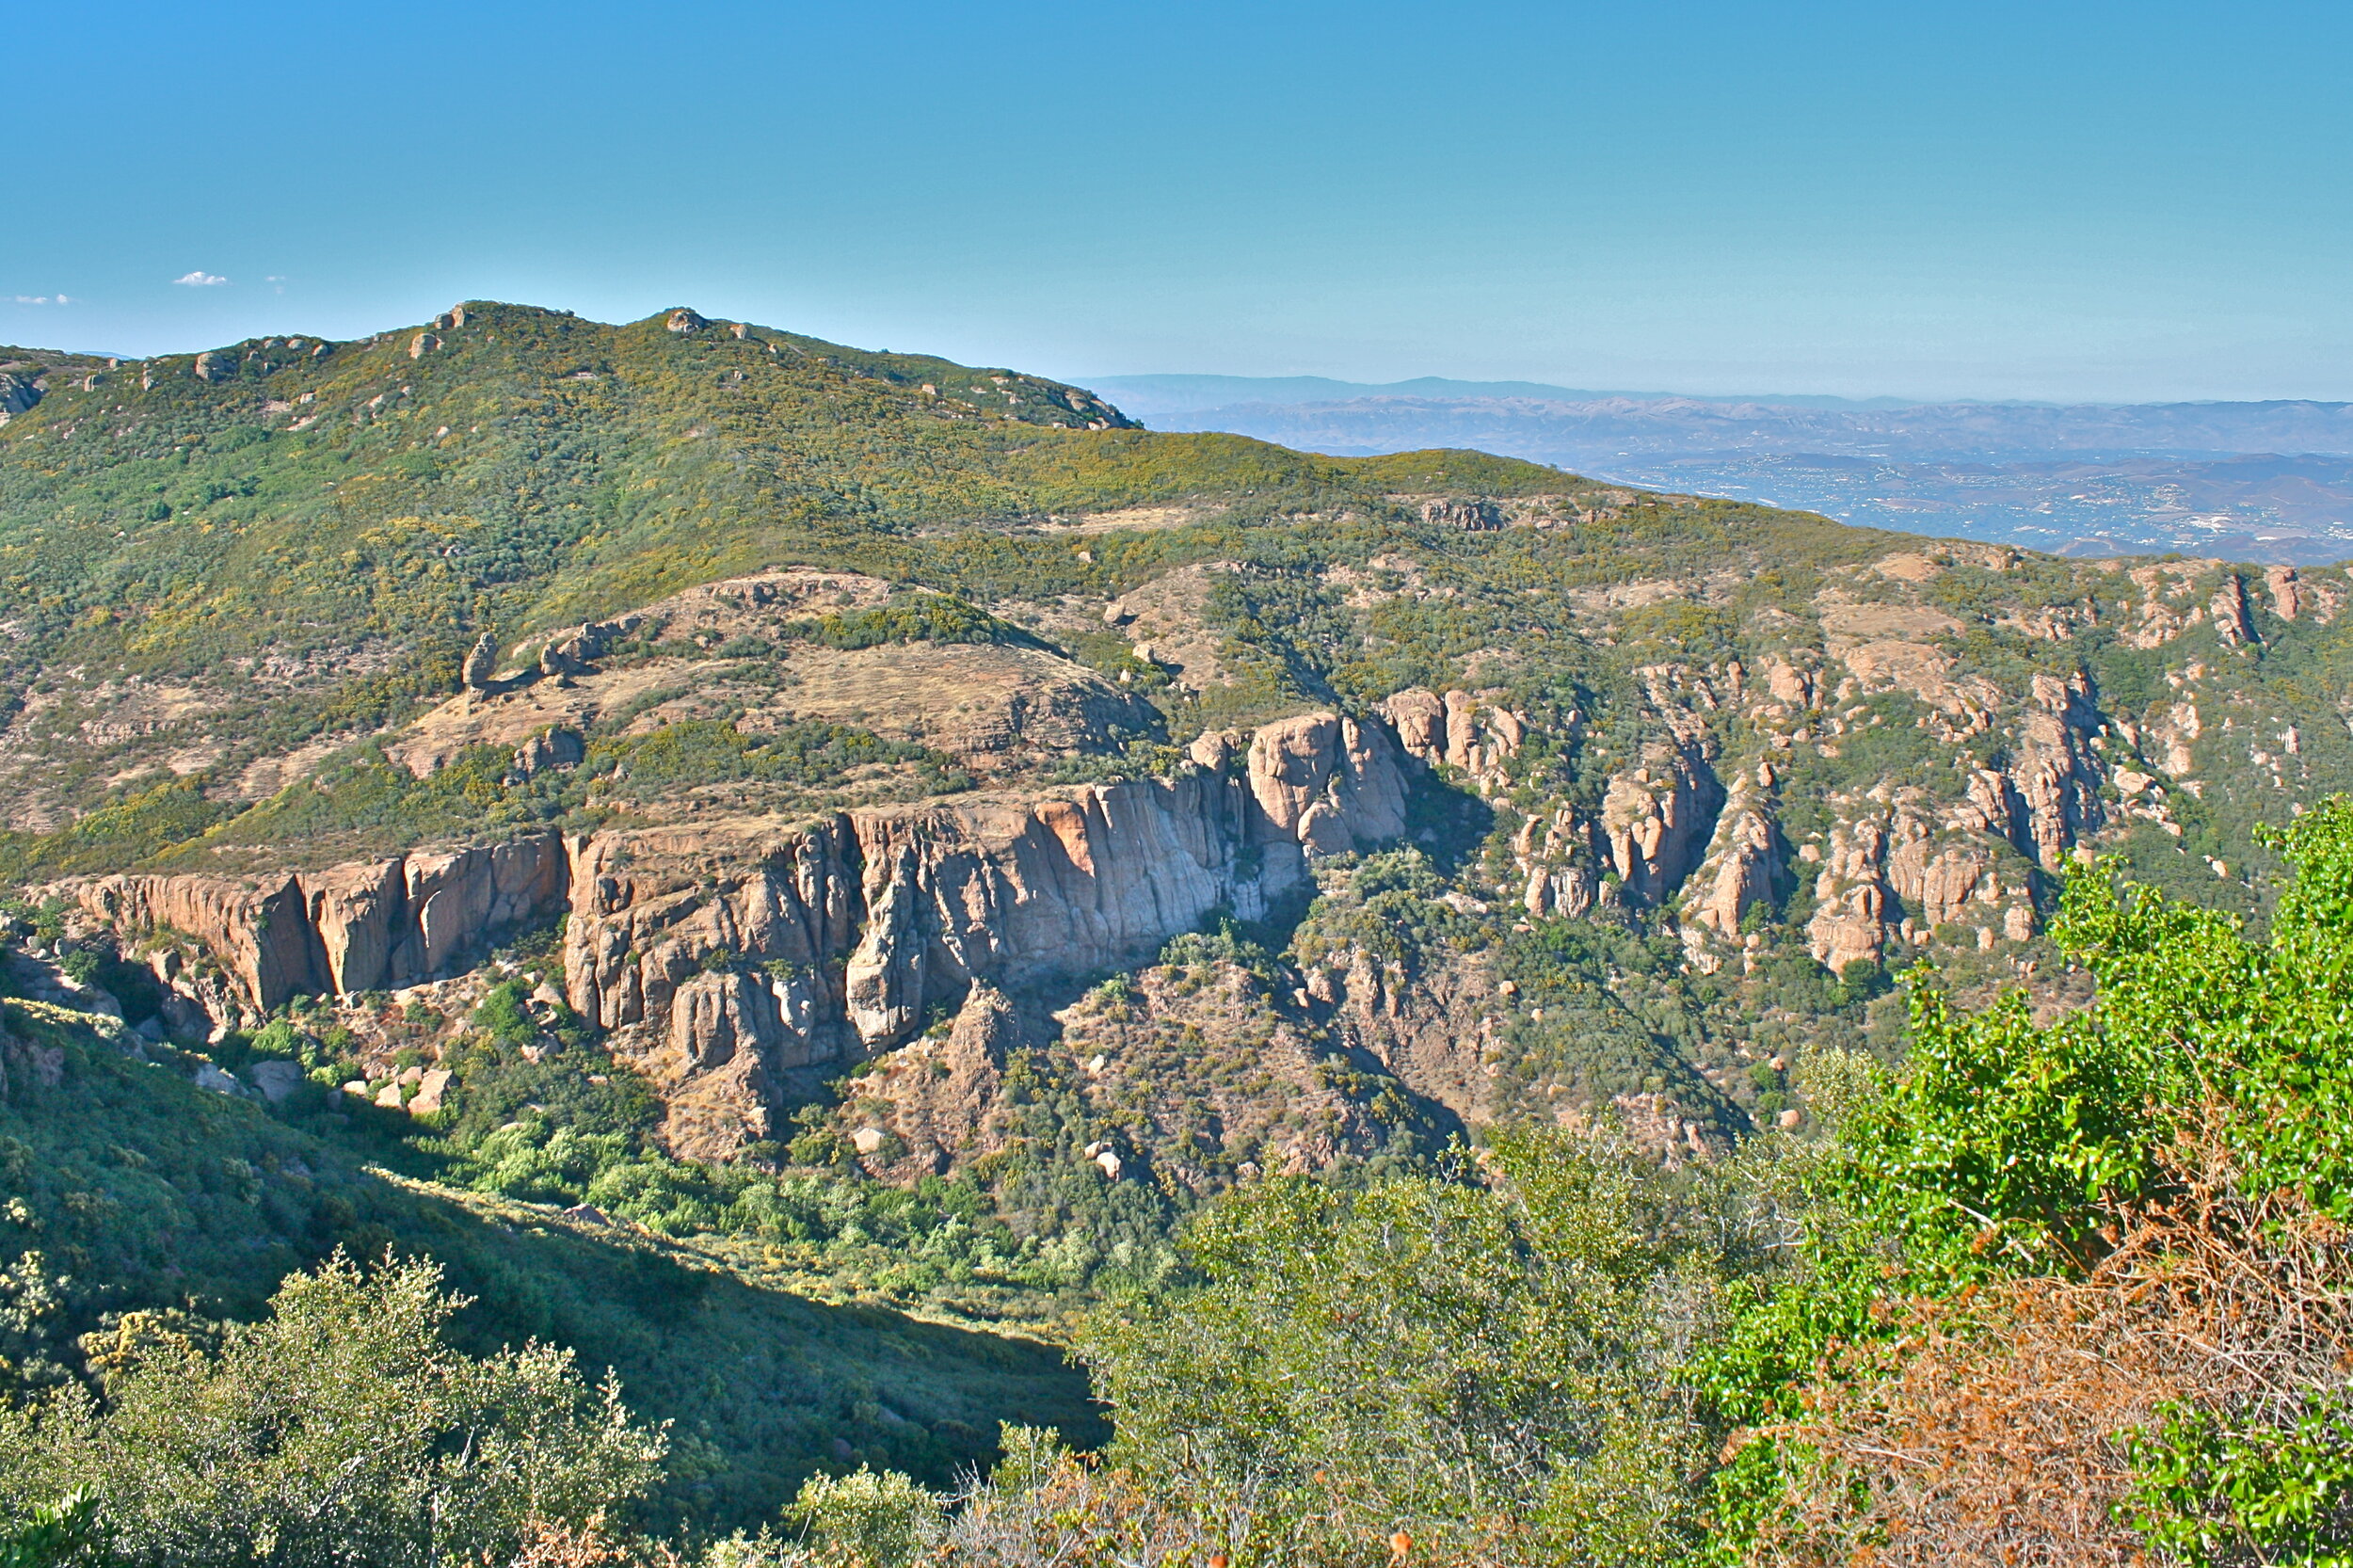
x=1996, y=1428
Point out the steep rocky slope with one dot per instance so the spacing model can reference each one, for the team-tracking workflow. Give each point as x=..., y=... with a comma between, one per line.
x=1851, y=789
x=1144, y=811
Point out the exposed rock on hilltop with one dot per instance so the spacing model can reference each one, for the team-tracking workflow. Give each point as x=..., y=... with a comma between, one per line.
x=756, y=649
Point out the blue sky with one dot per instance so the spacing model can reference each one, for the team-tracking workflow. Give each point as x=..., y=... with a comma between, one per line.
x=2047, y=201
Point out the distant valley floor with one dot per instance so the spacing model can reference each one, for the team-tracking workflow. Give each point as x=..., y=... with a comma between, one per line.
x=2032, y=483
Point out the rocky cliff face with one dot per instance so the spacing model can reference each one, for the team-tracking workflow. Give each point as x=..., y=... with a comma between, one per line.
x=1851, y=776
x=727, y=957
x=1431, y=1030
x=1746, y=864
x=371, y=926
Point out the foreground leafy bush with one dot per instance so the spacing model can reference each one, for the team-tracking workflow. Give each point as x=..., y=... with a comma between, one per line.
x=2073, y=1290
x=1491, y=1366
x=863, y=1518
x=342, y=1430
x=59, y=1532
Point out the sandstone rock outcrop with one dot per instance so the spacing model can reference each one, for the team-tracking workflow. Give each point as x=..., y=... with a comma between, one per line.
x=349, y=928
x=1431, y=1031
x=953, y=1083
x=843, y=935
x=2233, y=619
x=1327, y=784
x=1655, y=819
x=728, y=956
x=18, y=394
x=1899, y=872
x=1744, y=865
x=2054, y=772
x=474, y=675
x=1458, y=730
x=557, y=748
x=1473, y=516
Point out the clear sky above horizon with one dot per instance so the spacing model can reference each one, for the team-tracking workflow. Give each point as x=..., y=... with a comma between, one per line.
x=1989, y=199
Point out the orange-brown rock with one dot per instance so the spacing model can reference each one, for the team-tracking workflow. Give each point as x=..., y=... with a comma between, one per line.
x=349, y=928
x=1743, y=865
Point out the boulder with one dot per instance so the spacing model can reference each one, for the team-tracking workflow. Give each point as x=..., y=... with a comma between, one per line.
x=474, y=675
x=278, y=1081
x=431, y=1087
x=557, y=748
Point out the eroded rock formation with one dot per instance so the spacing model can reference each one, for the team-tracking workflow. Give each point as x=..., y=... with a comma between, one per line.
x=727, y=956
x=1745, y=861
x=361, y=927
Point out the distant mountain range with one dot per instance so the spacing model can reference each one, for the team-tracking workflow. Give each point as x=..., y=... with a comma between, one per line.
x=2263, y=481
x=1176, y=393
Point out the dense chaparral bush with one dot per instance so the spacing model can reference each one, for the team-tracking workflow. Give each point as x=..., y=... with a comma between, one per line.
x=343, y=1428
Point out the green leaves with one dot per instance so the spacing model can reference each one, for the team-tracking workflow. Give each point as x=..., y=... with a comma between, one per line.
x=915, y=619
x=2253, y=1038
x=53, y=1534
x=1997, y=1145
x=2212, y=1491
x=865, y=1520
x=1481, y=1363
x=342, y=1429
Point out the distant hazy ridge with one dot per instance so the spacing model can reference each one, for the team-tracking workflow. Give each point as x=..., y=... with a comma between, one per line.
x=2267, y=481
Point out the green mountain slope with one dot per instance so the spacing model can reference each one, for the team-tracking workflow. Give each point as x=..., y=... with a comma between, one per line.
x=303, y=535
x=146, y=1192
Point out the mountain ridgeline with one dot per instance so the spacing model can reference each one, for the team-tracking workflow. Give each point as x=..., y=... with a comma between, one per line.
x=860, y=830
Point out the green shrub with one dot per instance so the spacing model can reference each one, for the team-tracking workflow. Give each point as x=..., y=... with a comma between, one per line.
x=1493, y=1367
x=53, y=1534
x=343, y=1428
x=921, y=617
x=864, y=1520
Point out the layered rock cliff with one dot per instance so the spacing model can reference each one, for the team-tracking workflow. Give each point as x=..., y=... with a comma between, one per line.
x=1851, y=786
x=725, y=957
x=364, y=927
